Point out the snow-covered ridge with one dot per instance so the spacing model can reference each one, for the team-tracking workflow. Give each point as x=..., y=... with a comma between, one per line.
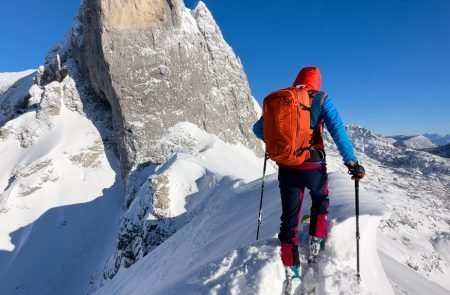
x=165, y=198
x=9, y=79
x=216, y=251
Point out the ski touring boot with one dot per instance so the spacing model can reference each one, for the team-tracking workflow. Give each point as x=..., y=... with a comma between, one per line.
x=310, y=277
x=315, y=245
x=292, y=279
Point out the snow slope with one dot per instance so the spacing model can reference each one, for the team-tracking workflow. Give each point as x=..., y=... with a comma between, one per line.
x=60, y=199
x=404, y=279
x=216, y=252
x=415, y=188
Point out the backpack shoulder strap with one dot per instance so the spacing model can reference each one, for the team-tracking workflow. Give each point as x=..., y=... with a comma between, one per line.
x=318, y=98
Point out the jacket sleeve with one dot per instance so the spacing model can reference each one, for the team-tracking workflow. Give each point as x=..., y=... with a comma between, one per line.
x=337, y=130
x=258, y=129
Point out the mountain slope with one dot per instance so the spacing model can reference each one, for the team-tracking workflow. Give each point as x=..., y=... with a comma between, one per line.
x=413, y=142
x=442, y=151
x=60, y=194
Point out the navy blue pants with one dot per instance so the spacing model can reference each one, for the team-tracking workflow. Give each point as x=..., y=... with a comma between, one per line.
x=292, y=185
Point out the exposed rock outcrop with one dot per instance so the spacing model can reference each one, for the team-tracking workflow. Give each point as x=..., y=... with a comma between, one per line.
x=158, y=63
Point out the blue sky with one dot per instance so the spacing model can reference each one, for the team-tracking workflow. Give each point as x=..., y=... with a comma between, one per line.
x=385, y=63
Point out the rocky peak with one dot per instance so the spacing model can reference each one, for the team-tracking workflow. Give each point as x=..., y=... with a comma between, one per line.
x=157, y=65
x=137, y=14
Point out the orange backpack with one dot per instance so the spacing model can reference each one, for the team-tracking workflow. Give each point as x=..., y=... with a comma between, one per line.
x=286, y=125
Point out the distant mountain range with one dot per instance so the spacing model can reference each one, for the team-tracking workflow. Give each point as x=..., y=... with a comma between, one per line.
x=438, y=139
x=414, y=141
x=434, y=143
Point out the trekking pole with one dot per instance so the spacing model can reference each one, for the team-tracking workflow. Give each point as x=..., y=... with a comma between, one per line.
x=358, y=276
x=266, y=156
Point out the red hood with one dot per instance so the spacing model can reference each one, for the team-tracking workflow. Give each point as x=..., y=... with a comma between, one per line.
x=309, y=77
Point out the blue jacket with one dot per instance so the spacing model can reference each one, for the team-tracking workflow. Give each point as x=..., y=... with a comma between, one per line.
x=324, y=113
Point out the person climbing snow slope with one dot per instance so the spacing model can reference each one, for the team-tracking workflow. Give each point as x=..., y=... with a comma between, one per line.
x=301, y=158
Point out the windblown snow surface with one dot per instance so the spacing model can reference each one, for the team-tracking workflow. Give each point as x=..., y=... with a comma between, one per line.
x=217, y=253
x=60, y=205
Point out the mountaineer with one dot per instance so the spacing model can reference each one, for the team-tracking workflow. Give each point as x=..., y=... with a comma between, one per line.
x=291, y=127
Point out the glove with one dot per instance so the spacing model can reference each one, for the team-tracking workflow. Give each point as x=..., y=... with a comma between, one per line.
x=356, y=170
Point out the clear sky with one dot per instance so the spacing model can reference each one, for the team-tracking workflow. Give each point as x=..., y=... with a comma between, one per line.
x=385, y=63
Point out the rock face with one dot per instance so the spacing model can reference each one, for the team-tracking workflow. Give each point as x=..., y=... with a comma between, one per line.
x=158, y=63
